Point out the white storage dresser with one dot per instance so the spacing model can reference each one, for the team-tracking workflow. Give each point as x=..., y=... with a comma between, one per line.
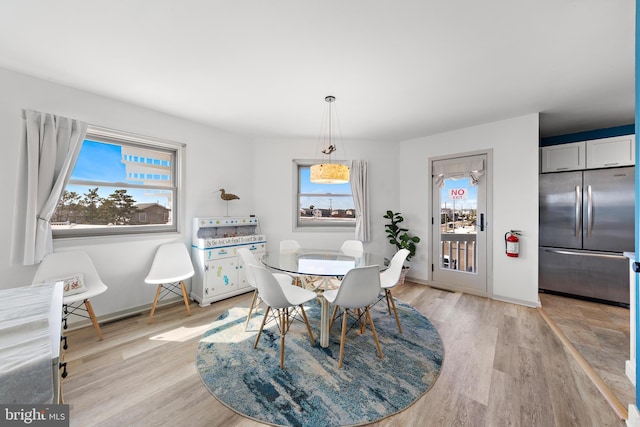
x=219, y=272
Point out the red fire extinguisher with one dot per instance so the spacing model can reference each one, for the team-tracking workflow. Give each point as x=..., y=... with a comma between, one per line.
x=512, y=243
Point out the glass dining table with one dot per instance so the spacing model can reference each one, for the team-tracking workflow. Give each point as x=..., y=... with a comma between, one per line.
x=324, y=264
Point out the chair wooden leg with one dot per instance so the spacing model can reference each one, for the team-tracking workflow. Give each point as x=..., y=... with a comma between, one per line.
x=387, y=292
x=92, y=315
x=283, y=315
x=253, y=303
x=264, y=320
x=361, y=321
x=185, y=297
x=155, y=302
x=389, y=296
x=344, y=333
x=304, y=315
x=333, y=316
x=373, y=329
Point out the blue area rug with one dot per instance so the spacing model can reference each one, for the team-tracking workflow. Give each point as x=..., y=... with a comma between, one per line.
x=311, y=390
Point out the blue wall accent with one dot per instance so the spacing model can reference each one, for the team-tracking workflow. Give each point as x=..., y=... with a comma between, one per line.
x=637, y=214
x=591, y=134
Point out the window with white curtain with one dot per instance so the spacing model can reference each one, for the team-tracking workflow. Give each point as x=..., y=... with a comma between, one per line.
x=117, y=179
x=321, y=205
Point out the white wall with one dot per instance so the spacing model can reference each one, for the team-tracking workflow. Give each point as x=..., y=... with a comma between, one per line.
x=273, y=190
x=264, y=181
x=515, y=198
x=213, y=160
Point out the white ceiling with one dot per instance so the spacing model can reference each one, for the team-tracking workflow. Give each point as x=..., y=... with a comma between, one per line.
x=399, y=68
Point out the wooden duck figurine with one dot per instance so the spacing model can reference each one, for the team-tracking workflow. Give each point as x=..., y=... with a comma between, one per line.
x=227, y=196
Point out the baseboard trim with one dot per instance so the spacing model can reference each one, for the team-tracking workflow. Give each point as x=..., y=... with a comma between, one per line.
x=119, y=315
x=634, y=416
x=630, y=371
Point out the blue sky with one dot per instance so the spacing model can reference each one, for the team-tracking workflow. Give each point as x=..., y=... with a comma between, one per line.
x=322, y=202
x=99, y=162
x=102, y=162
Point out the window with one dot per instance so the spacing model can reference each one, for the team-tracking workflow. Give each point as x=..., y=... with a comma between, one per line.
x=121, y=184
x=322, y=205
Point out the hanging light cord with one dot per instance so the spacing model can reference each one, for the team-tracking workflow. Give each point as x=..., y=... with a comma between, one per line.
x=322, y=146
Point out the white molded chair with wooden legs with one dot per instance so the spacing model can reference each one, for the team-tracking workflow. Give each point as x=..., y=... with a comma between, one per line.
x=281, y=298
x=359, y=289
x=170, y=268
x=81, y=282
x=352, y=248
x=249, y=259
x=389, y=279
x=293, y=246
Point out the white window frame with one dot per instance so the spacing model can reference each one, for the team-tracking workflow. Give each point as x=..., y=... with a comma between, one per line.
x=101, y=134
x=319, y=226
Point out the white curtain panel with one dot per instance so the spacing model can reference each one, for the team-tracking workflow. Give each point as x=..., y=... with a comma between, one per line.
x=50, y=148
x=360, y=191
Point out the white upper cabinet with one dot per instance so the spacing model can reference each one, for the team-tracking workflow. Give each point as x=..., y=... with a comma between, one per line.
x=593, y=154
x=611, y=152
x=563, y=157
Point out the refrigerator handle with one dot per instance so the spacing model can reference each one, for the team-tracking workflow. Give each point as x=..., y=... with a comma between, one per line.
x=578, y=210
x=589, y=212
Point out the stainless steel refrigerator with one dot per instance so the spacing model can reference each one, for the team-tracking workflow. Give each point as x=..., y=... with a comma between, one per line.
x=586, y=223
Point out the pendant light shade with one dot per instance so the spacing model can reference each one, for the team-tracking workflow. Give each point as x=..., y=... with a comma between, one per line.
x=329, y=172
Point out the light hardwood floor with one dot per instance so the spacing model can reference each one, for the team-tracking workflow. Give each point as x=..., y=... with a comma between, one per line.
x=503, y=366
x=600, y=333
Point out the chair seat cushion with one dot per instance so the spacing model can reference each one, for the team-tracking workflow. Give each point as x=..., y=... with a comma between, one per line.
x=283, y=279
x=330, y=295
x=297, y=295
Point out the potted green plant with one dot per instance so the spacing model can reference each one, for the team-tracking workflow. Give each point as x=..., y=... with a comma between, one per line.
x=400, y=238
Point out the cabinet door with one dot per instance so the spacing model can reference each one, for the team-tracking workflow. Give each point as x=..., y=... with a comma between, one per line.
x=563, y=157
x=221, y=277
x=611, y=152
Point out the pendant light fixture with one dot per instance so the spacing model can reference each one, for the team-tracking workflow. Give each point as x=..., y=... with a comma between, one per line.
x=329, y=172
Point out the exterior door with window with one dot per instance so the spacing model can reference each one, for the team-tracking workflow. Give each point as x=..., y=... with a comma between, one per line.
x=459, y=245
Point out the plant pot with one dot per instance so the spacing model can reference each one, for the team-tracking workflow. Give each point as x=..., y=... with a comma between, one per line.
x=403, y=275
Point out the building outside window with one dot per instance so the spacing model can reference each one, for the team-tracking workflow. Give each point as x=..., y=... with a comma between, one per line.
x=322, y=205
x=121, y=184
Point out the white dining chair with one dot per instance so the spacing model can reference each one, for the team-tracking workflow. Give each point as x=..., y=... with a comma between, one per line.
x=81, y=282
x=171, y=266
x=358, y=290
x=293, y=246
x=352, y=247
x=389, y=279
x=289, y=246
x=281, y=298
x=249, y=259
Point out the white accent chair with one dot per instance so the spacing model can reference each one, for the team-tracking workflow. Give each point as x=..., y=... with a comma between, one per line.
x=389, y=279
x=352, y=248
x=359, y=289
x=57, y=266
x=249, y=259
x=281, y=298
x=170, y=268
